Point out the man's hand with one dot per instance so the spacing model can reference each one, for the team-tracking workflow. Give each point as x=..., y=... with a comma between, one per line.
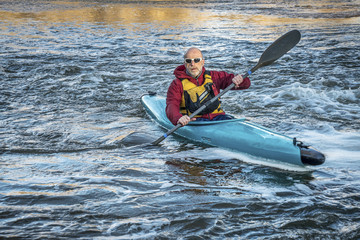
x=237, y=80
x=184, y=120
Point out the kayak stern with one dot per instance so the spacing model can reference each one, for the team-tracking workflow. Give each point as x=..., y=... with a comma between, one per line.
x=310, y=156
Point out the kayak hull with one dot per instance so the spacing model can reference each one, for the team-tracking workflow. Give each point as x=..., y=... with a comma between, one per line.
x=239, y=135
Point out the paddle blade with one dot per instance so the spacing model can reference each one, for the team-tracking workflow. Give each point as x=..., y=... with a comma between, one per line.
x=137, y=138
x=281, y=46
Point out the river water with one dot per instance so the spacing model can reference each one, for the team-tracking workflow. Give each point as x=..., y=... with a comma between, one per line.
x=72, y=73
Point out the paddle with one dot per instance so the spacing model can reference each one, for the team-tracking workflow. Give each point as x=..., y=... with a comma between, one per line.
x=276, y=50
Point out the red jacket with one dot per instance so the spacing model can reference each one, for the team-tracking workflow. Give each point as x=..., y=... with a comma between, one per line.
x=221, y=81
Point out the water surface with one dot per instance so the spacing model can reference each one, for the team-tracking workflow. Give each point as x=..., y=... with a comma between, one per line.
x=72, y=73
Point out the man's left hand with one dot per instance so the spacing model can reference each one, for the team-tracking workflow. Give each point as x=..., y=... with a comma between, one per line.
x=237, y=80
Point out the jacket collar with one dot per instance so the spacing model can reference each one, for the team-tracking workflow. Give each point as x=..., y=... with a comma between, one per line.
x=181, y=73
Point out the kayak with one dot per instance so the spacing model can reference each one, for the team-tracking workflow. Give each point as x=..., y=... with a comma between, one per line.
x=238, y=134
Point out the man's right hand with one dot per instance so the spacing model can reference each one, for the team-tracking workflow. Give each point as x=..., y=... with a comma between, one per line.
x=184, y=120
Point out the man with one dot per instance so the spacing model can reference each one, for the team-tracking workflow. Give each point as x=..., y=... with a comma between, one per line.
x=194, y=86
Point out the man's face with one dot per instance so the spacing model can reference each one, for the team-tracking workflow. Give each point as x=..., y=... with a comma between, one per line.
x=194, y=62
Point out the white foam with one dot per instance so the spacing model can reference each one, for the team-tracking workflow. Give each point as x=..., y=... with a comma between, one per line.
x=340, y=148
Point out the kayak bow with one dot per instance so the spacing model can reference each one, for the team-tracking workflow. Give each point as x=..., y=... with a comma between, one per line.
x=237, y=134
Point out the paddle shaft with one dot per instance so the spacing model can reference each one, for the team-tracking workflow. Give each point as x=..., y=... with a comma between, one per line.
x=276, y=50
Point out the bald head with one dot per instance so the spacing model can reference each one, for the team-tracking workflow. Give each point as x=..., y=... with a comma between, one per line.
x=193, y=51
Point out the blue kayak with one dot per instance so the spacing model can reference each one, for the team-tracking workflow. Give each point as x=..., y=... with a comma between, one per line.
x=238, y=135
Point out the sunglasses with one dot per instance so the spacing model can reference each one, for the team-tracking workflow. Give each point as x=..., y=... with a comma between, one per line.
x=189, y=60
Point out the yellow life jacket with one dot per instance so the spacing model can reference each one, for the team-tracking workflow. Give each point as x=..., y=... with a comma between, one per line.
x=195, y=96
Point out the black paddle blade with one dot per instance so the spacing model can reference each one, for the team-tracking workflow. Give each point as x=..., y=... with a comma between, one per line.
x=281, y=46
x=137, y=138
